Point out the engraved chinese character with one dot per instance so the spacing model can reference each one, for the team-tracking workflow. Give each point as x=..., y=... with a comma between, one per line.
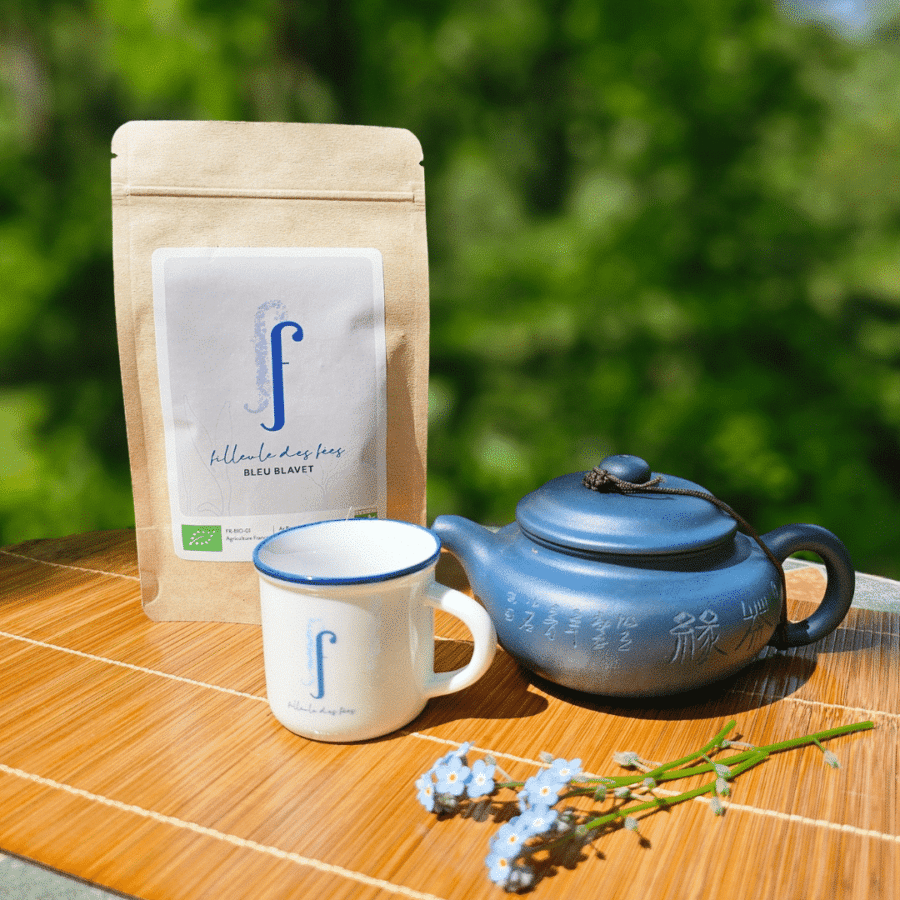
x=684, y=637
x=600, y=627
x=551, y=621
x=705, y=635
x=755, y=615
x=695, y=639
x=626, y=623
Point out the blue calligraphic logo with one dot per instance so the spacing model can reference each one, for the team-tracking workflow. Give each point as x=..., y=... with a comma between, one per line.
x=278, y=364
x=320, y=662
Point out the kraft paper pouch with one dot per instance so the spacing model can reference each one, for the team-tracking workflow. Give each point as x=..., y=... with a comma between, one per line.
x=271, y=289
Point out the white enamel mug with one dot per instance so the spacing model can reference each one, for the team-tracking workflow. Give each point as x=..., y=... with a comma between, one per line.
x=348, y=627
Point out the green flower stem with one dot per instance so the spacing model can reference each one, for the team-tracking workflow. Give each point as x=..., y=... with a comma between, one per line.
x=665, y=802
x=660, y=773
x=813, y=738
x=672, y=771
x=780, y=746
x=681, y=768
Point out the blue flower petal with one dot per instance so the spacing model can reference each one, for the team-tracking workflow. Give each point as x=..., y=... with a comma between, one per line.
x=543, y=788
x=509, y=839
x=499, y=868
x=539, y=819
x=452, y=777
x=566, y=769
x=426, y=791
x=481, y=781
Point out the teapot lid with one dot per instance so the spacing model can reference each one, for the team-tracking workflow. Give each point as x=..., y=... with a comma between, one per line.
x=567, y=514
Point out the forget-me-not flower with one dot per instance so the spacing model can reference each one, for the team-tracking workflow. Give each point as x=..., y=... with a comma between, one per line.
x=481, y=782
x=566, y=769
x=537, y=820
x=425, y=787
x=508, y=873
x=543, y=788
x=509, y=839
x=451, y=776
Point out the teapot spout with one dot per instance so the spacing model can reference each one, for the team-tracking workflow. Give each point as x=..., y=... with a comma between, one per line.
x=472, y=544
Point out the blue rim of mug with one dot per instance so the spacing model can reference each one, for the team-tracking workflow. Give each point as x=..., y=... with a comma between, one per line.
x=293, y=578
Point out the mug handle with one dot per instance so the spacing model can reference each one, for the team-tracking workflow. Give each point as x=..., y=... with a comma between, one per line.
x=479, y=623
x=838, y=593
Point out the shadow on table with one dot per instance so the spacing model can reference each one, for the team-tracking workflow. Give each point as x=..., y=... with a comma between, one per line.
x=762, y=682
x=508, y=690
x=504, y=692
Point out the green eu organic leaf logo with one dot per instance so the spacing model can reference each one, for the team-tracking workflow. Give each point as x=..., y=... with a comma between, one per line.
x=202, y=537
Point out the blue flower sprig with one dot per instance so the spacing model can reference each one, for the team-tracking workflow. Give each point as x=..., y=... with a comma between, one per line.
x=537, y=837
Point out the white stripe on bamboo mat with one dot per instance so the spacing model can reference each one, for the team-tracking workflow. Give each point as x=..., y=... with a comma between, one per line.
x=805, y=820
x=57, y=565
x=131, y=666
x=232, y=839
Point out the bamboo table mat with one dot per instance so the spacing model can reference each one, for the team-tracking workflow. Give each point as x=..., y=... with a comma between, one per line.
x=142, y=757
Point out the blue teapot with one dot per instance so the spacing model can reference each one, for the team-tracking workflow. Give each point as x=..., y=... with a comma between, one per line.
x=627, y=583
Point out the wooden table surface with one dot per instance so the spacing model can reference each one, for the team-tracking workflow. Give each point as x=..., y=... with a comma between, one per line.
x=143, y=757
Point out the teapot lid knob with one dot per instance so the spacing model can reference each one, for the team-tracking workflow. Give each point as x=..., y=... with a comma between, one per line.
x=628, y=468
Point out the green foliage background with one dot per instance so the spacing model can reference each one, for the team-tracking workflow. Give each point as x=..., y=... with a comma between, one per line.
x=671, y=229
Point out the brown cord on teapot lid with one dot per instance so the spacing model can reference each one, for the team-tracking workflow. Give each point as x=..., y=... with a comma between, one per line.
x=600, y=480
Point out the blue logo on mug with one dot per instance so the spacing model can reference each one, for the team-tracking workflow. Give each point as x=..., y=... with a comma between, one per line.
x=320, y=662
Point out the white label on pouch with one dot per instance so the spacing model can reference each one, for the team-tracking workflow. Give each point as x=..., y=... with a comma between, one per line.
x=272, y=373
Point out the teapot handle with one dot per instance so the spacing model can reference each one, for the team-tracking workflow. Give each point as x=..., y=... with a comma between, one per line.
x=838, y=593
